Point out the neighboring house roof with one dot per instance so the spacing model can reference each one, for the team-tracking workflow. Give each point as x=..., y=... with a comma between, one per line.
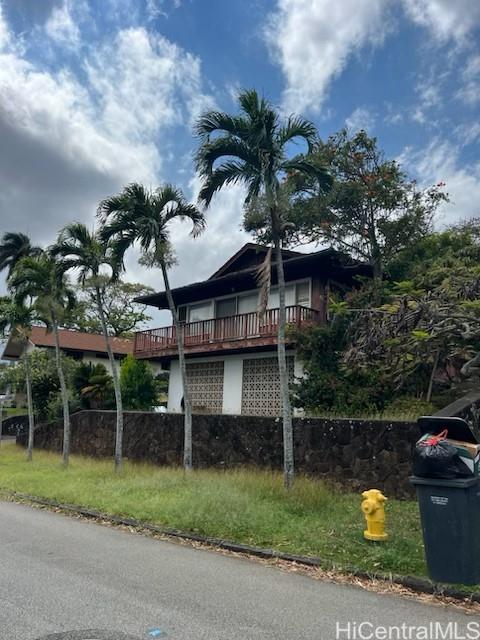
x=327, y=264
x=69, y=341
x=250, y=255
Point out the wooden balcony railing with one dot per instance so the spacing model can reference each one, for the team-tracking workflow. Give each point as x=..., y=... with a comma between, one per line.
x=221, y=330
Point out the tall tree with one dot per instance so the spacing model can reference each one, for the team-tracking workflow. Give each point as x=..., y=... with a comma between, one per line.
x=43, y=278
x=373, y=211
x=122, y=313
x=16, y=317
x=84, y=252
x=13, y=247
x=140, y=216
x=251, y=148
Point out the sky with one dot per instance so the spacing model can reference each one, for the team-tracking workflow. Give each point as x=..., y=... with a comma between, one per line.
x=95, y=94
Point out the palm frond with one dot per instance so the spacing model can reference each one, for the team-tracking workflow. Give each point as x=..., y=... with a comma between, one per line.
x=228, y=173
x=134, y=194
x=218, y=121
x=224, y=146
x=13, y=247
x=250, y=103
x=297, y=127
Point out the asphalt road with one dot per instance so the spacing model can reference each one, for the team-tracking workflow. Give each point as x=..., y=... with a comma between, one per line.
x=59, y=574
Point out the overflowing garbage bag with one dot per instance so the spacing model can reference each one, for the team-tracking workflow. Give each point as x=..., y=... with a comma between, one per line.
x=437, y=457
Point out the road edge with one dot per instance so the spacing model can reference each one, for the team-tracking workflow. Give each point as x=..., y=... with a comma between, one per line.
x=419, y=585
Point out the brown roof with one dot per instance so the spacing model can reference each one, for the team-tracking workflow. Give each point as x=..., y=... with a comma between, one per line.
x=249, y=255
x=80, y=341
x=69, y=341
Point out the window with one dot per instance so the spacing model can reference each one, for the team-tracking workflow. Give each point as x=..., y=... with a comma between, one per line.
x=248, y=304
x=182, y=313
x=75, y=355
x=303, y=294
x=274, y=300
x=226, y=307
x=198, y=312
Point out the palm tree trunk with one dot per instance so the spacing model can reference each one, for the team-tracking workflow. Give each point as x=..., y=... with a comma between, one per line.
x=187, y=433
x=63, y=393
x=31, y=420
x=116, y=385
x=288, y=455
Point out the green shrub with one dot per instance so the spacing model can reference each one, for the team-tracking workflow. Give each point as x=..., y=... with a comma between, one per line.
x=45, y=383
x=139, y=389
x=94, y=386
x=330, y=387
x=54, y=405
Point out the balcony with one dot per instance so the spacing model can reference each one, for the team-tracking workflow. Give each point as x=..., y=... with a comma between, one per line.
x=242, y=331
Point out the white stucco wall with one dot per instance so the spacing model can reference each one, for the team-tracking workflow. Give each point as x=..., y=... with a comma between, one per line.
x=232, y=379
x=90, y=357
x=156, y=366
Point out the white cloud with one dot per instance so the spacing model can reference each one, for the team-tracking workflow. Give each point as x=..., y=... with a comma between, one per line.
x=143, y=83
x=223, y=237
x=61, y=27
x=157, y=8
x=468, y=133
x=446, y=19
x=429, y=98
x=312, y=40
x=69, y=142
x=360, y=118
x=439, y=162
x=469, y=92
x=4, y=32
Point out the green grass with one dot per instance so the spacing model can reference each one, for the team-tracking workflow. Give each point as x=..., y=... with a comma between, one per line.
x=244, y=506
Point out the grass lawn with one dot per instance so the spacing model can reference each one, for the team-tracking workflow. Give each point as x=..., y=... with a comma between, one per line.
x=244, y=506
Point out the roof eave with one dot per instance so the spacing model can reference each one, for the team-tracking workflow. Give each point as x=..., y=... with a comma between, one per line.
x=156, y=298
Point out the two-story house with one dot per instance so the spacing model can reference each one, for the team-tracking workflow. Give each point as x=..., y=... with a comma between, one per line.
x=230, y=351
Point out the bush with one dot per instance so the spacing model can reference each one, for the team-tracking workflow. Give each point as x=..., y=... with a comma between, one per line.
x=45, y=383
x=54, y=405
x=94, y=386
x=139, y=389
x=328, y=386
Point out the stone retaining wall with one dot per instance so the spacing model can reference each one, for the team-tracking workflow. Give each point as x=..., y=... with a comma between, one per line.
x=354, y=454
x=15, y=425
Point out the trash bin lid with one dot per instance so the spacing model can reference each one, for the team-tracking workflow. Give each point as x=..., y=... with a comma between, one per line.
x=456, y=483
x=458, y=428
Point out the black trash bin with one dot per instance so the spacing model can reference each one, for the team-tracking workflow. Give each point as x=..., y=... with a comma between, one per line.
x=450, y=514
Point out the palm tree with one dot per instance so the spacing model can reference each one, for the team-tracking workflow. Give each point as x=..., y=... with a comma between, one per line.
x=17, y=317
x=140, y=216
x=14, y=247
x=85, y=252
x=43, y=278
x=251, y=148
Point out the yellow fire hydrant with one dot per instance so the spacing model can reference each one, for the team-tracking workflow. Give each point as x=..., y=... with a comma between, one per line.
x=374, y=510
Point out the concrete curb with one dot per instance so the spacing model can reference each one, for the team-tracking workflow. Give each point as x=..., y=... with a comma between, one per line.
x=420, y=585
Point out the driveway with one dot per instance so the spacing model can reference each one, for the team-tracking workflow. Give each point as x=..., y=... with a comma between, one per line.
x=60, y=574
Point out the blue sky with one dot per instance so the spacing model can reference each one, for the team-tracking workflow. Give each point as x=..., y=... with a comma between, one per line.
x=98, y=93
